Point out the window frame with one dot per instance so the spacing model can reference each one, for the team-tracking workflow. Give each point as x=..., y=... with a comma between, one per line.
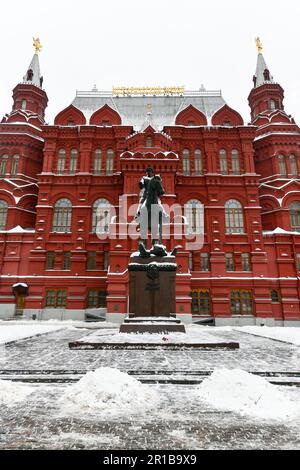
x=234, y=217
x=57, y=299
x=62, y=217
x=241, y=293
x=96, y=300
x=50, y=260
x=3, y=214
x=203, y=302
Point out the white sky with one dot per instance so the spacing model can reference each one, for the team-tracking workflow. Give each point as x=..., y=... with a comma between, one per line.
x=150, y=43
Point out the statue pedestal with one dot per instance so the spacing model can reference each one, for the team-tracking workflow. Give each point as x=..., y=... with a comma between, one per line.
x=152, y=302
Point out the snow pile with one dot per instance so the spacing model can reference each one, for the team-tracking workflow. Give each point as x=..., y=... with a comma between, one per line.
x=13, y=392
x=108, y=389
x=245, y=393
x=287, y=334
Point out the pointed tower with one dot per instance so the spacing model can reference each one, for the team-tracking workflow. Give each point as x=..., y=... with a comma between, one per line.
x=29, y=95
x=266, y=95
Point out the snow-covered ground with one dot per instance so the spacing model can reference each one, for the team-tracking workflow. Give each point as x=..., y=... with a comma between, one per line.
x=12, y=332
x=108, y=332
x=286, y=334
x=108, y=407
x=20, y=329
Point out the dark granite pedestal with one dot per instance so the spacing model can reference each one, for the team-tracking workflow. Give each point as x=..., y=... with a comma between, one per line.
x=152, y=301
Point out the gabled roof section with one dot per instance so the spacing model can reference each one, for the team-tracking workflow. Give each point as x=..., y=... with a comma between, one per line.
x=227, y=116
x=70, y=116
x=106, y=113
x=191, y=115
x=277, y=116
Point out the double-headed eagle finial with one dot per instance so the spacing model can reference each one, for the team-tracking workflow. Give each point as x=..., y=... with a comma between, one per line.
x=37, y=45
x=259, y=45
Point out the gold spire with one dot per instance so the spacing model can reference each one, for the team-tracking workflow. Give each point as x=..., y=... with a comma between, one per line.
x=258, y=45
x=37, y=45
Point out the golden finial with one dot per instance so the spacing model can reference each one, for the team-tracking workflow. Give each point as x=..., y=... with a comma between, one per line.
x=37, y=45
x=258, y=45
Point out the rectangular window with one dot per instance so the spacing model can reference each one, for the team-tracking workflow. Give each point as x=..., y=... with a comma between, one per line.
x=66, y=263
x=275, y=296
x=50, y=260
x=97, y=162
x=91, y=260
x=105, y=260
x=235, y=165
x=205, y=262
x=3, y=163
x=229, y=262
x=14, y=165
x=186, y=166
x=246, y=265
x=191, y=262
x=298, y=261
x=200, y=302
x=241, y=302
x=96, y=298
x=56, y=298
x=223, y=166
x=73, y=164
x=61, y=165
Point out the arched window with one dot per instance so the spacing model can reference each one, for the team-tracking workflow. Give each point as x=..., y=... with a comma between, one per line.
x=186, y=162
x=109, y=162
x=282, y=165
x=294, y=166
x=234, y=217
x=149, y=142
x=235, y=162
x=275, y=296
x=15, y=165
x=101, y=216
x=272, y=105
x=194, y=214
x=3, y=163
x=73, y=161
x=3, y=214
x=295, y=216
x=62, y=216
x=24, y=105
x=61, y=160
x=97, y=162
x=198, y=162
x=223, y=162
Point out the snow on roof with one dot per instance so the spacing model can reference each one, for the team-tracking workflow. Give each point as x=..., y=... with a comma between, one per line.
x=279, y=231
x=164, y=109
x=19, y=229
x=21, y=284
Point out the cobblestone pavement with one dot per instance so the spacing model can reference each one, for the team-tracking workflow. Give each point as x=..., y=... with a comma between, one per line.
x=179, y=421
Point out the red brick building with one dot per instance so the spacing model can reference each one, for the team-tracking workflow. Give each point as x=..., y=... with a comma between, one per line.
x=54, y=177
